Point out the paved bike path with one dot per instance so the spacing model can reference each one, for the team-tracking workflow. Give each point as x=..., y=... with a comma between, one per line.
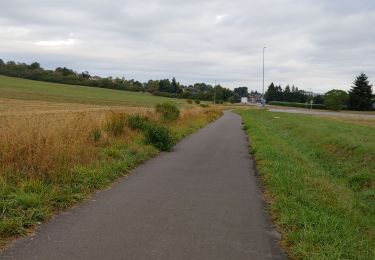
x=200, y=201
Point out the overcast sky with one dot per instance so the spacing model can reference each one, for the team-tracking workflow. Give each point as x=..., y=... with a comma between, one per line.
x=316, y=45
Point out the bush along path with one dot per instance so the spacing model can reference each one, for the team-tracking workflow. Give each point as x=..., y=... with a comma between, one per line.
x=200, y=201
x=31, y=194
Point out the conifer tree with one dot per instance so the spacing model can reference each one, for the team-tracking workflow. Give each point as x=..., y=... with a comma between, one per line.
x=287, y=94
x=270, y=94
x=360, y=96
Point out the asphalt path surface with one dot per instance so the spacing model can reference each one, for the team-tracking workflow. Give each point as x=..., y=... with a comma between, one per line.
x=200, y=201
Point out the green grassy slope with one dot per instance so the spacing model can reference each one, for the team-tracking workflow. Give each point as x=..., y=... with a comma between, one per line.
x=319, y=177
x=16, y=88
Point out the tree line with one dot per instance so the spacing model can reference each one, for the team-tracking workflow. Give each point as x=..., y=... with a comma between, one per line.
x=291, y=94
x=162, y=87
x=359, y=97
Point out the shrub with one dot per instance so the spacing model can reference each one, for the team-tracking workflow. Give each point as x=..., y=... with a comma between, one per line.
x=168, y=110
x=138, y=122
x=115, y=123
x=189, y=101
x=160, y=137
x=155, y=134
x=197, y=101
x=204, y=105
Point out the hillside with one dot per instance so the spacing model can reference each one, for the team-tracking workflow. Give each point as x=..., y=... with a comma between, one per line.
x=22, y=89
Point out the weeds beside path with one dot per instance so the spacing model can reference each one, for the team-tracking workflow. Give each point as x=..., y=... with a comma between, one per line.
x=201, y=201
x=50, y=162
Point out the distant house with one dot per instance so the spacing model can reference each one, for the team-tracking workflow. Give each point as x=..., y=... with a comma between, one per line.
x=244, y=100
x=255, y=97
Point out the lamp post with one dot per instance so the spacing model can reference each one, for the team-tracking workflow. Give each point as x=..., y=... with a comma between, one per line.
x=263, y=101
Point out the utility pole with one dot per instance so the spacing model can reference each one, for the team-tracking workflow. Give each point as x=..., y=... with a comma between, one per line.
x=263, y=101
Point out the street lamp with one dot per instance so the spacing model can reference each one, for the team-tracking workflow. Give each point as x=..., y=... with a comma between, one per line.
x=263, y=101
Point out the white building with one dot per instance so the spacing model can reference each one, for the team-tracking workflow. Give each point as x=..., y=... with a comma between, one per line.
x=244, y=100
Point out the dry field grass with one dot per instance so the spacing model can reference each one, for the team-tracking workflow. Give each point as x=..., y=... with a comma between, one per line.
x=53, y=155
x=40, y=137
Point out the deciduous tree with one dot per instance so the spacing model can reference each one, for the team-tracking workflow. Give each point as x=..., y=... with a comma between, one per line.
x=335, y=99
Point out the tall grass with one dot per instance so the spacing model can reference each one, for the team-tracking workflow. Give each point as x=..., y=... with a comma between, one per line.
x=169, y=111
x=319, y=177
x=43, y=143
x=48, y=162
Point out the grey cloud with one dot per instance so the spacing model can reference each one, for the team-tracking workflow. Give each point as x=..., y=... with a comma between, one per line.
x=314, y=44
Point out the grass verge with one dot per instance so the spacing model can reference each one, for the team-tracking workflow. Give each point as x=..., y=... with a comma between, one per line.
x=319, y=178
x=50, y=162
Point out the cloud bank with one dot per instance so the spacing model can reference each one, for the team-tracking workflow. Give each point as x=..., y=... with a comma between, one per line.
x=315, y=44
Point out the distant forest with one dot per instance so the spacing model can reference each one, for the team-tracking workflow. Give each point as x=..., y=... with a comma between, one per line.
x=163, y=87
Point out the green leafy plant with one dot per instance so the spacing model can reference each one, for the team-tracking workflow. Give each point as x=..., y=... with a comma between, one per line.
x=335, y=99
x=155, y=134
x=160, y=137
x=169, y=111
x=138, y=122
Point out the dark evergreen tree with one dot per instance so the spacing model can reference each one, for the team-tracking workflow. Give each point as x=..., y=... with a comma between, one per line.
x=279, y=92
x=271, y=93
x=174, y=85
x=360, y=96
x=287, y=94
x=165, y=86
